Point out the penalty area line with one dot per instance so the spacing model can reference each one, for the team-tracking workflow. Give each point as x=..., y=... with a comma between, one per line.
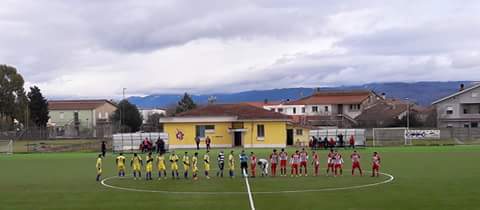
x=249, y=191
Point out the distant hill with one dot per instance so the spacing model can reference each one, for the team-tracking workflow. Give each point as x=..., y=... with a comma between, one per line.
x=423, y=93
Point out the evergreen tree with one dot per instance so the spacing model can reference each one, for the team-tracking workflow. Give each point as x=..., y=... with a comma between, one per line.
x=185, y=104
x=128, y=116
x=38, y=107
x=12, y=96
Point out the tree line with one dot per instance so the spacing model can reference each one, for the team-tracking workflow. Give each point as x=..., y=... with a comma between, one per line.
x=18, y=108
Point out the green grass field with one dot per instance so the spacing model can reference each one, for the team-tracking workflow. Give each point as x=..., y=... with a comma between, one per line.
x=425, y=178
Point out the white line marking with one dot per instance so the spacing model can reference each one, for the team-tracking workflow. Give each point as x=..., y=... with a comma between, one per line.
x=250, y=197
x=390, y=179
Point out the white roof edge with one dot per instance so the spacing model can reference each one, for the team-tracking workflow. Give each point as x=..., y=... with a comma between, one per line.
x=456, y=94
x=197, y=119
x=214, y=119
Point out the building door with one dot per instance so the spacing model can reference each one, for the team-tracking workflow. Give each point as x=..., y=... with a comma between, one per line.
x=340, y=109
x=289, y=137
x=237, y=138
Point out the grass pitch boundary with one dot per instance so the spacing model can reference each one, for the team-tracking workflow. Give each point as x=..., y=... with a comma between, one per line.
x=391, y=178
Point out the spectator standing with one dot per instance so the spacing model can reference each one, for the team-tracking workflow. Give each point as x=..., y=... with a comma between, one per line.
x=197, y=141
x=104, y=148
x=340, y=140
x=325, y=142
x=208, y=141
x=352, y=142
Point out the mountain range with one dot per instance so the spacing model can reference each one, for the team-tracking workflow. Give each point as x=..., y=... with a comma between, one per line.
x=422, y=93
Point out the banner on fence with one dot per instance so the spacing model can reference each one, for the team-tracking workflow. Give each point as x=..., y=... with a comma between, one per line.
x=422, y=134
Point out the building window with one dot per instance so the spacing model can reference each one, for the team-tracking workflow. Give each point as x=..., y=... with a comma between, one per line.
x=280, y=109
x=106, y=115
x=326, y=108
x=303, y=110
x=474, y=124
x=299, y=132
x=354, y=107
x=202, y=129
x=99, y=115
x=62, y=115
x=260, y=131
x=314, y=108
x=209, y=128
x=294, y=110
x=449, y=110
x=465, y=111
x=466, y=125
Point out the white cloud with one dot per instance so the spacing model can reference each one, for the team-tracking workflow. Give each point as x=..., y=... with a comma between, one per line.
x=95, y=48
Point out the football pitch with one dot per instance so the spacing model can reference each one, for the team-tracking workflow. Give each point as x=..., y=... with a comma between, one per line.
x=424, y=178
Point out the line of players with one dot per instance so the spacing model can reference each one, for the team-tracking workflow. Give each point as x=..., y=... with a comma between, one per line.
x=298, y=162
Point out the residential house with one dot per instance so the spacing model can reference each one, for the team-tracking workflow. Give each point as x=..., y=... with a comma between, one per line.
x=460, y=109
x=328, y=108
x=73, y=118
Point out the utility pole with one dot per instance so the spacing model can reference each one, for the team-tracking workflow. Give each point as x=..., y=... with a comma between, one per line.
x=121, y=110
x=408, y=119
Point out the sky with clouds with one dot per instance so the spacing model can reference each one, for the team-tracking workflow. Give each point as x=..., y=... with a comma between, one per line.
x=91, y=48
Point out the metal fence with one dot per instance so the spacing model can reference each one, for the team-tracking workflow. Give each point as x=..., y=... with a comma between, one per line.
x=334, y=133
x=102, y=131
x=433, y=136
x=131, y=142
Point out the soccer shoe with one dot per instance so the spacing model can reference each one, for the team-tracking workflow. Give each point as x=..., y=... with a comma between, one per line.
x=208, y=177
x=306, y=174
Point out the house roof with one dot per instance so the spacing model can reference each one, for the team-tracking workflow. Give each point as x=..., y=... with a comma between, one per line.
x=241, y=111
x=260, y=104
x=388, y=109
x=333, y=97
x=457, y=93
x=77, y=104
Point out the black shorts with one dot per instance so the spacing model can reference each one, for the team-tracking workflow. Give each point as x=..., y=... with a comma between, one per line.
x=243, y=165
x=221, y=165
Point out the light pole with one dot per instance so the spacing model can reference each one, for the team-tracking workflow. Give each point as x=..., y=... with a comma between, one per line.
x=408, y=121
x=121, y=110
x=408, y=114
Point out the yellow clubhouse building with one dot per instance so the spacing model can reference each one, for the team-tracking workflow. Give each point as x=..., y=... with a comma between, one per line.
x=232, y=125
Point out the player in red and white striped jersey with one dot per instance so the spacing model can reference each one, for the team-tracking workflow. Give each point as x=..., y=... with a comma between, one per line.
x=274, y=162
x=303, y=162
x=338, y=163
x=375, y=164
x=295, y=161
x=283, y=162
x=355, y=156
x=330, y=163
x=253, y=164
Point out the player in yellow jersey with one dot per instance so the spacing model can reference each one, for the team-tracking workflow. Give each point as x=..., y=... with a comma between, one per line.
x=173, y=164
x=99, y=167
x=161, y=166
x=148, y=166
x=194, y=166
x=120, y=162
x=136, y=163
x=206, y=163
x=186, y=165
x=231, y=164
